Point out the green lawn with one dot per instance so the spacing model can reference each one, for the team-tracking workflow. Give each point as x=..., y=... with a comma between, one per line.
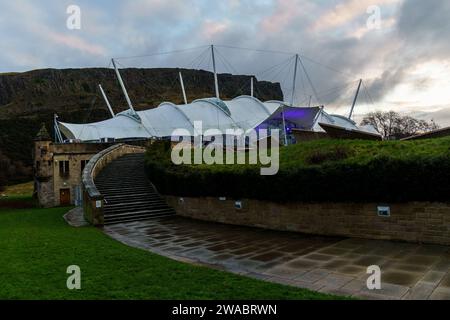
x=37, y=246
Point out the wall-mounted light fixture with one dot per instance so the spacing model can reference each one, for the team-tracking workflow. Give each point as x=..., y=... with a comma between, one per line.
x=384, y=211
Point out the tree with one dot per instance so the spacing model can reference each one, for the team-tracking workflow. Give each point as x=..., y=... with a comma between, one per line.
x=2, y=182
x=12, y=172
x=392, y=125
x=3, y=171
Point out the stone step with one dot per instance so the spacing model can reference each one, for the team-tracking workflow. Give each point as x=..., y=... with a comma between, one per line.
x=119, y=179
x=130, y=201
x=147, y=212
x=138, y=216
x=128, y=160
x=127, y=167
x=125, y=186
x=126, y=192
x=129, y=195
x=122, y=183
x=117, y=173
x=115, y=176
x=131, y=156
x=143, y=218
x=128, y=163
x=142, y=195
x=135, y=169
x=122, y=211
x=141, y=201
x=124, y=206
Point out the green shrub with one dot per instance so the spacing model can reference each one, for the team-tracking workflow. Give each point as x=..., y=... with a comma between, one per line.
x=334, y=154
x=355, y=171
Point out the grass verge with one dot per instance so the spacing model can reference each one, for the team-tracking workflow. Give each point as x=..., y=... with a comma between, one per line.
x=37, y=246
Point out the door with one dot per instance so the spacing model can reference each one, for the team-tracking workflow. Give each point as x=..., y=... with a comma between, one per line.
x=64, y=197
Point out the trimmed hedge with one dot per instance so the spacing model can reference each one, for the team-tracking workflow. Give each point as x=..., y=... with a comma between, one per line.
x=352, y=175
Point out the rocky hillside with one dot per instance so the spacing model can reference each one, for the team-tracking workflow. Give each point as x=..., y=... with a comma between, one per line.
x=30, y=98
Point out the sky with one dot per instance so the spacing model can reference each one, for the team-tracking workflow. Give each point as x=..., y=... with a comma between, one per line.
x=400, y=48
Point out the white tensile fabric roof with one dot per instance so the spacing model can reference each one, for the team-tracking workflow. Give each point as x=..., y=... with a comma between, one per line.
x=243, y=112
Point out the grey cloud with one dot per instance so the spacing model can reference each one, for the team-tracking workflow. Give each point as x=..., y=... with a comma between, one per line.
x=388, y=80
x=441, y=116
x=425, y=25
x=419, y=34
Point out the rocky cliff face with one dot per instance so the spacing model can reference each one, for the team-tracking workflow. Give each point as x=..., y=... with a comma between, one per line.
x=67, y=90
x=30, y=98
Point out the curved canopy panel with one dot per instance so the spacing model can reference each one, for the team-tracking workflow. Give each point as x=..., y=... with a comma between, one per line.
x=119, y=127
x=343, y=121
x=333, y=119
x=209, y=113
x=369, y=128
x=273, y=105
x=248, y=112
x=337, y=126
x=258, y=104
x=217, y=103
x=163, y=120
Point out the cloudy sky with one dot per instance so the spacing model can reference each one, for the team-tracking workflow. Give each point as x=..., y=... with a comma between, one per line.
x=403, y=57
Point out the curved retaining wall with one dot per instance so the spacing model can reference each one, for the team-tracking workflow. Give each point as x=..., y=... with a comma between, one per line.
x=420, y=222
x=92, y=199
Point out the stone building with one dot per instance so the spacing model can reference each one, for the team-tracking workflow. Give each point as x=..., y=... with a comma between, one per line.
x=58, y=168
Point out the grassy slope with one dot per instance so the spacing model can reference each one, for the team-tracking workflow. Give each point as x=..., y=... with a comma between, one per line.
x=359, y=151
x=37, y=246
x=19, y=190
x=322, y=170
x=17, y=196
x=362, y=151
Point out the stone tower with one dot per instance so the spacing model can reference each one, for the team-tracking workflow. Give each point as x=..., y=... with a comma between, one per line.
x=43, y=168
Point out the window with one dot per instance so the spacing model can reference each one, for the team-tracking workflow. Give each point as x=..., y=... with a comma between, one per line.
x=64, y=168
x=83, y=165
x=38, y=165
x=43, y=151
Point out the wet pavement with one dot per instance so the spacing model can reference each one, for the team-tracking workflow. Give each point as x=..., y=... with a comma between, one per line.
x=325, y=264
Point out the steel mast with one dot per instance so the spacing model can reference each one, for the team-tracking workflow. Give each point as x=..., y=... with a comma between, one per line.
x=216, y=84
x=182, y=88
x=354, y=100
x=124, y=90
x=106, y=101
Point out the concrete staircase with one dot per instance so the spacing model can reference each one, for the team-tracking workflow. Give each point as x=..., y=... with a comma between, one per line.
x=129, y=196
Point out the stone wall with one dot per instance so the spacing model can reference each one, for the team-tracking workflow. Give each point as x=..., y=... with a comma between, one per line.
x=44, y=192
x=71, y=181
x=308, y=135
x=48, y=180
x=421, y=222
